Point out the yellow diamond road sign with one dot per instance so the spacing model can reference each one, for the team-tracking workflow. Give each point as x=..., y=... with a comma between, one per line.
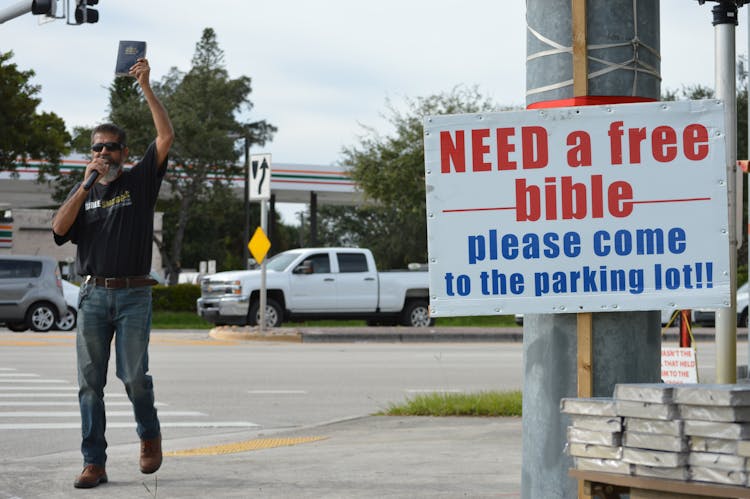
x=259, y=245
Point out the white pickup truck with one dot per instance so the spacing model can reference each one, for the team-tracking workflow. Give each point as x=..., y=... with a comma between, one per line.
x=318, y=283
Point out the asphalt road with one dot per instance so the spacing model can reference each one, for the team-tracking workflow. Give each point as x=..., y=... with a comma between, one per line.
x=207, y=386
x=227, y=393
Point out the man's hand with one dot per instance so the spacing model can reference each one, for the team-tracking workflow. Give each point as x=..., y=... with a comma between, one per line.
x=141, y=71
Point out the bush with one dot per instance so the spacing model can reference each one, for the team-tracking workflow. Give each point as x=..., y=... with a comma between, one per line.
x=178, y=298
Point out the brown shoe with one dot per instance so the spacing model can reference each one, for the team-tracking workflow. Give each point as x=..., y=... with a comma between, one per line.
x=91, y=476
x=150, y=455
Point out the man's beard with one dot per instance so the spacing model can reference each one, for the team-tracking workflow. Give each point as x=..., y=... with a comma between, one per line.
x=113, y=172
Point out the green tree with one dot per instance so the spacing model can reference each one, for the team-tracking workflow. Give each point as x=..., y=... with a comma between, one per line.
x=213, y=231
x=372, y=227
x=24, y=133
x=203, y=105
x=390, y=170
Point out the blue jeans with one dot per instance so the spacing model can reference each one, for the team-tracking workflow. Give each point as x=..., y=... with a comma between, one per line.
x=124, y=314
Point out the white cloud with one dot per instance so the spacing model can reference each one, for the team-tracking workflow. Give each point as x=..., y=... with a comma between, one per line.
x=319, y=69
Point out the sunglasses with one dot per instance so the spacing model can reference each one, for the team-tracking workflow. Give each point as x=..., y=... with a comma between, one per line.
x=111, y=146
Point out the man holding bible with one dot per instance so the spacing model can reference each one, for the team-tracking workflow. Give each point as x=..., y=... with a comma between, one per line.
x=109, y=216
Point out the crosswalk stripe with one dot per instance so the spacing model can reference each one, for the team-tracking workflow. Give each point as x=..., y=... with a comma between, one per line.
x=35, y=399
x=37, y=388
x=65, y=414
x=277, y=392
x=53, y=395
x=433, y=390
x=74, y=402
x=163, y=424
x=32, y=381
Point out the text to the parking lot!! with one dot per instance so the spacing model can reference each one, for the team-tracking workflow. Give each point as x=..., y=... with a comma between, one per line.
x=585, y=206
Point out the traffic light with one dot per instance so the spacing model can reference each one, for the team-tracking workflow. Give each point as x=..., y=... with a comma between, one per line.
x=44, y=7
x=84, y=14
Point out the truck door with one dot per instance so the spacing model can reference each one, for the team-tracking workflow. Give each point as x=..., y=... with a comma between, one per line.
x=315, y=289
x=356, y=284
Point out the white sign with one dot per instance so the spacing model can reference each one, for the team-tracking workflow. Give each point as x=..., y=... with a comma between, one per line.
x=678, y=365
x=585, y=209
x=260, y=177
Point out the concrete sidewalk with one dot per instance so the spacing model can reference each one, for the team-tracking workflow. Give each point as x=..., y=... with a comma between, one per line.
x=370, y=457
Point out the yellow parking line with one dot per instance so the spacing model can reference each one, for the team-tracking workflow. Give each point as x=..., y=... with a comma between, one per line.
x=33, y=343
x=53, y=340
x=256, y=444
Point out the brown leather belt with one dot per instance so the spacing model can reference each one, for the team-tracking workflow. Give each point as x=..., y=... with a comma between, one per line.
x=120, y=282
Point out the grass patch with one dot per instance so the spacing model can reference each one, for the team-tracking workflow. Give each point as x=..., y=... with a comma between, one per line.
x=486, y=403
x=165, y=319
x=178, y=320
x=478, y=321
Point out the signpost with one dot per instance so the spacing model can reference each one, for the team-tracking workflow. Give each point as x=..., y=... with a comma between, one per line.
x=260, y=177
x=587, y=209
x=260, y=190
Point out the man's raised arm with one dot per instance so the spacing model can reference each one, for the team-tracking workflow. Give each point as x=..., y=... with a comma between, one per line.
x=164, y=130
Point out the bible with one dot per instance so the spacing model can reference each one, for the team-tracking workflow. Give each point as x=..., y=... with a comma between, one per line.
x=128, y=54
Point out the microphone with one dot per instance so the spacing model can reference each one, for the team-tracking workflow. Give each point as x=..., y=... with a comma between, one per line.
x=92, y=178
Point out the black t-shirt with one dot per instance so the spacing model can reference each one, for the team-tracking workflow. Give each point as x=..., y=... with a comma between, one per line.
x=114, y=229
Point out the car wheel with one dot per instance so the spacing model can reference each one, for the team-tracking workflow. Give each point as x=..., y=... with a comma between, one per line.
x=273, y=313
x=68, y=321
x=41, y=317
x=742, y=321
x=417, y=314
x=18, y=327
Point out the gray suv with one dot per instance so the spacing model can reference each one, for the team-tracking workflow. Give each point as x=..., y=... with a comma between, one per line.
x=30, y=293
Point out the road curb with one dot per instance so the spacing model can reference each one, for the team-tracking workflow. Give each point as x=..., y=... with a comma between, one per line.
x=401, y=335
x=254, y=334
x=426, y=337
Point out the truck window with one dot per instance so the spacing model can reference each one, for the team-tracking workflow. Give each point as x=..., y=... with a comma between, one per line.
x=321, y=264
x=352, y=262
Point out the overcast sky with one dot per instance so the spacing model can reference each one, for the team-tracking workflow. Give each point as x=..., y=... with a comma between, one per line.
x=320, y=69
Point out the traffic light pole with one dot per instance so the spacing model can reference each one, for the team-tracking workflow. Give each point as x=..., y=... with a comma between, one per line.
x=82, y=14
x=725, y=21
x=17, y=10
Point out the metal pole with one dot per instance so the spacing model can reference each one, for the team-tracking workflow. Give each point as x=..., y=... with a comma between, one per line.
x=626, y=346
x=685, y=325
x=246, y=232
x=724, y=21
x=264, y=226
x=14, y=11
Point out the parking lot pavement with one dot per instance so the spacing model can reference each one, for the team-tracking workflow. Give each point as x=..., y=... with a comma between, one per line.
x=375, y=456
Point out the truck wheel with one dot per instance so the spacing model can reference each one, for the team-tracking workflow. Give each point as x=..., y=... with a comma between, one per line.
x=417, y=314
x=273, y=313
x=41, y=317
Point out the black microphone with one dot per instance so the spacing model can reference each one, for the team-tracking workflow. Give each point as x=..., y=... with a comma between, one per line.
x=92, y=178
